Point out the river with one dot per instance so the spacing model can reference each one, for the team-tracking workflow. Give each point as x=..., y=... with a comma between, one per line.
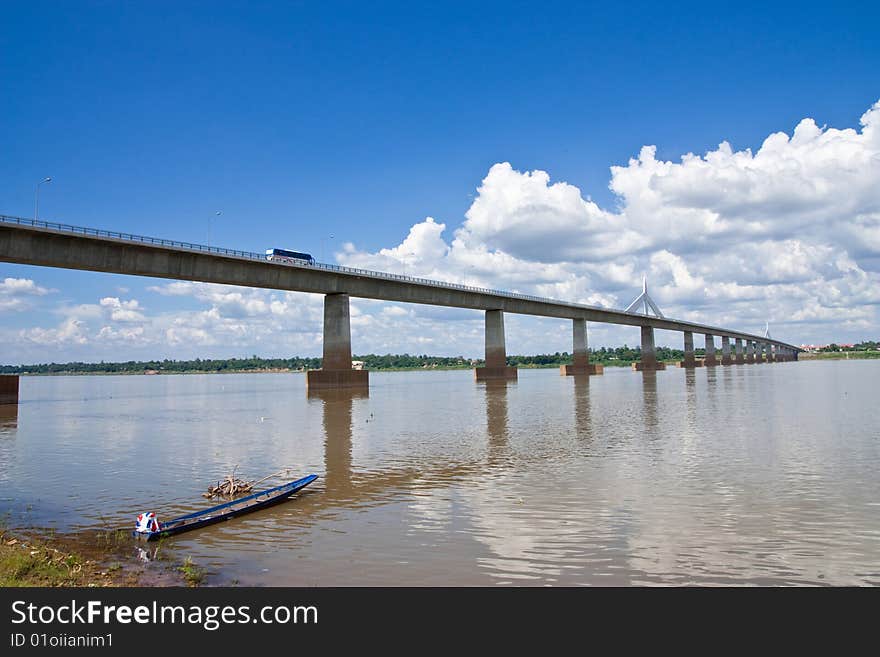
x=742, y=475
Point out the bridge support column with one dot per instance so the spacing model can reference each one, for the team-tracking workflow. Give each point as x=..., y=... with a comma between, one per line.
x=710, y=360
x=750, y=351
x=759, y=352
x=739, y=359
x=336, y=371
x=581, y=356
x=689, y=359
x=725, y=351
x=496, y=352
x=649, y=356
x=8, y=388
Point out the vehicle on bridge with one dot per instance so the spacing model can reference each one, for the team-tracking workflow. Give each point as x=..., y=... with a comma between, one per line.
x=283, y=255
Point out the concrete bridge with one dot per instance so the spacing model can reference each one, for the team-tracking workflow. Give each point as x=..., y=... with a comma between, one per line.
x=29, y=242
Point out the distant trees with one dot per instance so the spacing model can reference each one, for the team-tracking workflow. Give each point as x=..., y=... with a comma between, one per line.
x=867, y=345
x=604, y=355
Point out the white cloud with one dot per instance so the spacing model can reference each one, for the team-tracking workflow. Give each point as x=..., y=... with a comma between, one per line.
x=122, y=311
x=789, y=233
x=70, y=331
x=16, y=293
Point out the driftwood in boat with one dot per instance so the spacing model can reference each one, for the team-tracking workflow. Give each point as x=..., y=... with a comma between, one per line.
x=230, y=487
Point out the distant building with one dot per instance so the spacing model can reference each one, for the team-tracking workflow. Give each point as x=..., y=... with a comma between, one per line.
x=357, y=364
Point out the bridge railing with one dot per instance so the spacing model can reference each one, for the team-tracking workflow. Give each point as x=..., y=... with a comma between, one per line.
x=352, y=271
x=250, y=255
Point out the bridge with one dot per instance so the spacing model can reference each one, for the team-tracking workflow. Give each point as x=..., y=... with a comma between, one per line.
x=47, y=244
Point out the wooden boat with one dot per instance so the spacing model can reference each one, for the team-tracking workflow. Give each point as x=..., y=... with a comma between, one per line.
x=228, y=510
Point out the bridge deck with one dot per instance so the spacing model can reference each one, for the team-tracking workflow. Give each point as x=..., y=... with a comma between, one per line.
x=25, y=241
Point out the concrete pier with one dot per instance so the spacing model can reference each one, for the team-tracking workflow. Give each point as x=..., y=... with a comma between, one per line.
x=750, y=351
x=496, y=351
x=336, y=371
x=710, y=360
x=739, y=359
x=8, y=388
x=759, y=352
x=581, y=356
x=689, y=359
x=649, y=356
x=725, y=351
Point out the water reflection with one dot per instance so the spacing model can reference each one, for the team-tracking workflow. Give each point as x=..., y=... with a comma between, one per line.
x=690, y=385
x=8, y=417
x=582, y=413
x=649, y=399
x=336, y=417
x=450, y=484
x=497, y=429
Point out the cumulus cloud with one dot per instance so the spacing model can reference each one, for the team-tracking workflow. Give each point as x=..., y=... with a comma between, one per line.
x=122, y=311
x=70, y=331
x=789, y=233
x=16, y=293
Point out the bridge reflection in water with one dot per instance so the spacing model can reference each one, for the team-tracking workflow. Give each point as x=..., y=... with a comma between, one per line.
x=8, y=416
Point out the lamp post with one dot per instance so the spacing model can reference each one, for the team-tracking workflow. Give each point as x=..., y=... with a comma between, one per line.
x=47, y=179
x=216, y=214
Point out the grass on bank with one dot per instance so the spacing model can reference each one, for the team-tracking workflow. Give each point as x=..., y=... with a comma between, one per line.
x=35, y=563
x=29, y=562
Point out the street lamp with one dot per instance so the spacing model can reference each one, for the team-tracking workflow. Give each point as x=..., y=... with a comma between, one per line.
x=47, y=179
x=216, y=214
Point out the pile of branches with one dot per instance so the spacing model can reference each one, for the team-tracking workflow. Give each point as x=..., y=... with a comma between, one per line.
x=231, y=486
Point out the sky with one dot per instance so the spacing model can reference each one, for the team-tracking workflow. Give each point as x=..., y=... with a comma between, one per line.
x=730, y=153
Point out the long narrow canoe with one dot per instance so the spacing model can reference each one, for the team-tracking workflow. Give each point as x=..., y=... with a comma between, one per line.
x=228, y=510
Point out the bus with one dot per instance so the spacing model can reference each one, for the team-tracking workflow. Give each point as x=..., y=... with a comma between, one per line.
x=283, y=255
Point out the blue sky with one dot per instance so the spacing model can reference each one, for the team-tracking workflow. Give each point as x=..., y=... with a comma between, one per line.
x=300, y=121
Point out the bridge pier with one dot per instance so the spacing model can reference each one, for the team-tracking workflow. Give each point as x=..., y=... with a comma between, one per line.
x=496, y=351
x=759, y=352
x=725, y=351
x=336, y=371
x=710, y=360
x=740, y=359
x=750, y=351
x=689, y=359
x=8, y=388
x=649, y=355
x=581, y=356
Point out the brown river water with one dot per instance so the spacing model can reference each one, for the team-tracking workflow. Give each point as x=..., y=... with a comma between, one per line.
x=742, y=475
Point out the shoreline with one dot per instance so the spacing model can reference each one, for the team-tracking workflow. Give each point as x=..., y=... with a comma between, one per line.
x=852, y=355
x=30, y=557
x=846, y=355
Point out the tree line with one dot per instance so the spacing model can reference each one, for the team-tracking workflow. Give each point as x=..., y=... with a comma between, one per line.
x=604, y=355
x=867, y=345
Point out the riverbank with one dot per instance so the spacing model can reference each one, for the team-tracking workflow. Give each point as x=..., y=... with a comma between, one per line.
x=438, y=368
x=33, y=558
x=839, y=355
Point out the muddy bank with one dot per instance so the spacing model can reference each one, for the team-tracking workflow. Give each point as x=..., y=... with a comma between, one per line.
x=33, y=557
